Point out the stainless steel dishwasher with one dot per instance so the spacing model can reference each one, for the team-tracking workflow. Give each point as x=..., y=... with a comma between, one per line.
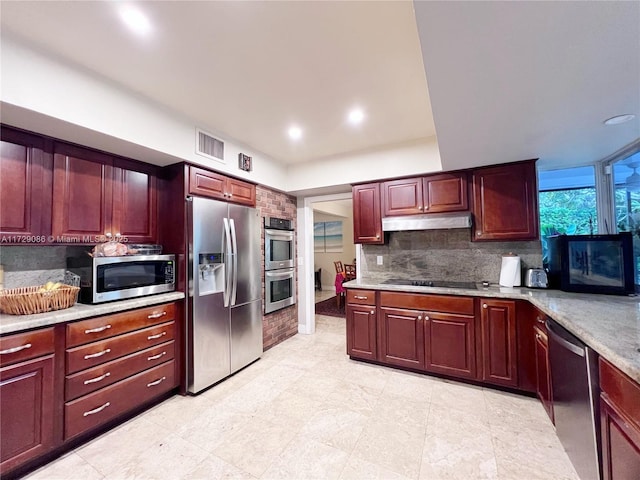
x=574, y=383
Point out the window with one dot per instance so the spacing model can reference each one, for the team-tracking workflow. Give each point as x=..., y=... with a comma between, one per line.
x=626, y=189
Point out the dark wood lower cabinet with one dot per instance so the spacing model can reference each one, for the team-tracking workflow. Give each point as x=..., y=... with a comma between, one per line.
x=543, y=373
x=361, y=331
x=27, y=404
x=450, y=344
x=499, y=347
x=619, y=423
x=401, y=337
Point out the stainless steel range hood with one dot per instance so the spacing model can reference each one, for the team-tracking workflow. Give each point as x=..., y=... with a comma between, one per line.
x=427, y=222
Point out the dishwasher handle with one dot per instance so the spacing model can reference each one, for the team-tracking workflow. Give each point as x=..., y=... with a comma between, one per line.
x=555, y=335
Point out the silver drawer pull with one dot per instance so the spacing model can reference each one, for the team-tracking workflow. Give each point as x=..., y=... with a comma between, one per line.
x=95, y=355
x=96, y=410
x=153, y=337
x=157, y=382
x=97, y=379
x=155, y=357
x=98, y=329
x=16, y=349
x=156, y=315
x=360, y=297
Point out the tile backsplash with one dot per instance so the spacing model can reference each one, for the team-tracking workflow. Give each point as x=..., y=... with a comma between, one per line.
x=444, y=255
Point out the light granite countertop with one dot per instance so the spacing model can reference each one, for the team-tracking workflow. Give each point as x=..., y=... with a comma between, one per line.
x=17, y=323
x=607, y=323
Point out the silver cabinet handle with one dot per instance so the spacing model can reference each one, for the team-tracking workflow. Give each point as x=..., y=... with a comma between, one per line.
x=484, y=305
x=98, y=329
x=360, y=297
x=156, y=315
x=16, y=349
x=426, y=317
x=419, y=317
x=153, y=337
x=95, y=355
x=539, y=320
x=478, y=233
x=372, y=312
x=230, y=195
x=156, y=382
x=538, y=336
x=96, y=410
x=155, y=357
x=377, y=235
x=420, y=207
x=97, y=379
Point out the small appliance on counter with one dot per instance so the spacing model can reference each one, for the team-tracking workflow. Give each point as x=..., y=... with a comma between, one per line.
x=104, y=279
x=592, y=263
x=510, y=272
x=535, y=278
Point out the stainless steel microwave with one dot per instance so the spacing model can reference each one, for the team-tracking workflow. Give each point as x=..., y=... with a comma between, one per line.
x=104, y=279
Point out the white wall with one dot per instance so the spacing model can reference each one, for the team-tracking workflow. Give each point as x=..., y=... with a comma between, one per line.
x=325, y=260
x=46, y=95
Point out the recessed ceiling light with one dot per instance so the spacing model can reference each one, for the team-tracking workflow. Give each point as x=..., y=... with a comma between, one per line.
x=619, y=119
x=356, y=116
x=295, y=133
x=135, y=20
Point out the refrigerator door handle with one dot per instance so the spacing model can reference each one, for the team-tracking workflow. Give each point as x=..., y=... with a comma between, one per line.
x=234, y=247
x=227, y=253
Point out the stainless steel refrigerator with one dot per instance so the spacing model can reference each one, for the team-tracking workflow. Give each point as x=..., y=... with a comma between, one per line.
x=224, y=308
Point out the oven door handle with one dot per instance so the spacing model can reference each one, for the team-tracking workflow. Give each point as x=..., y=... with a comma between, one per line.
x=279, y=235
x=226, y=252
x=286, y=274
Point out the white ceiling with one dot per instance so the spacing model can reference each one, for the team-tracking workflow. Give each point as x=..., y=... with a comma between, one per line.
x=507, y=80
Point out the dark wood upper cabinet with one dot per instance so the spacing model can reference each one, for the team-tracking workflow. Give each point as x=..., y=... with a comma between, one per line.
x=498, y=342
x=440, y=193
x=82, y=193
x=135, y=201
x=214, y=185
x=367, y=216
x=96, y=194
x=25, y=186
x=505, y=202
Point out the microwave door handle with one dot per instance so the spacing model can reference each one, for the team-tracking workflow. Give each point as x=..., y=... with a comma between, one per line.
x=226, y=253
x=234, y=248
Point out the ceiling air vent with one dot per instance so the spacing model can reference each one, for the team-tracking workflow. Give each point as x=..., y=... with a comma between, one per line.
x=209, y=146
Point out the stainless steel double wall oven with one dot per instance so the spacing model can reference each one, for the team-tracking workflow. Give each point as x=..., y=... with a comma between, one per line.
x=279, y=266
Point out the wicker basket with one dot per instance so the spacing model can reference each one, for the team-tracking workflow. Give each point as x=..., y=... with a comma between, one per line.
x=30, y=300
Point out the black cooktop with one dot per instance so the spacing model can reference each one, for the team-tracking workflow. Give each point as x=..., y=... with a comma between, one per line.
x=431, y=283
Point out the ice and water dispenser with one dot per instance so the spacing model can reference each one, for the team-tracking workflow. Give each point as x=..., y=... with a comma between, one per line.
x=210, y=273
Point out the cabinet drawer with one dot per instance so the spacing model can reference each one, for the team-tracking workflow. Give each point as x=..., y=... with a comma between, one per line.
x=95, y=353
x=23, y=346
x=361, y=297
x=93, y=379
x=106, y=404
x=85, y=331
x=621, y=391
x=432, y=303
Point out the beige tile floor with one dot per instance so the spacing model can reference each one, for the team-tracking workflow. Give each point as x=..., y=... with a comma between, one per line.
x=305, y=411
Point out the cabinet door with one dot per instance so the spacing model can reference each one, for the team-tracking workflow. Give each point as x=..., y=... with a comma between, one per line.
x=82, y=193
x=135, y=202
x=498, y=327
x=361, y=331
x=207, y=184
x=25, y=185
x=401, y=337
x=620, y=443
x=543, y=374
x=445, y=193
x=367, y=216
x=450, y=345
x=26, y=411
x=505, y=202
x=402, y=197
x=241, y=192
